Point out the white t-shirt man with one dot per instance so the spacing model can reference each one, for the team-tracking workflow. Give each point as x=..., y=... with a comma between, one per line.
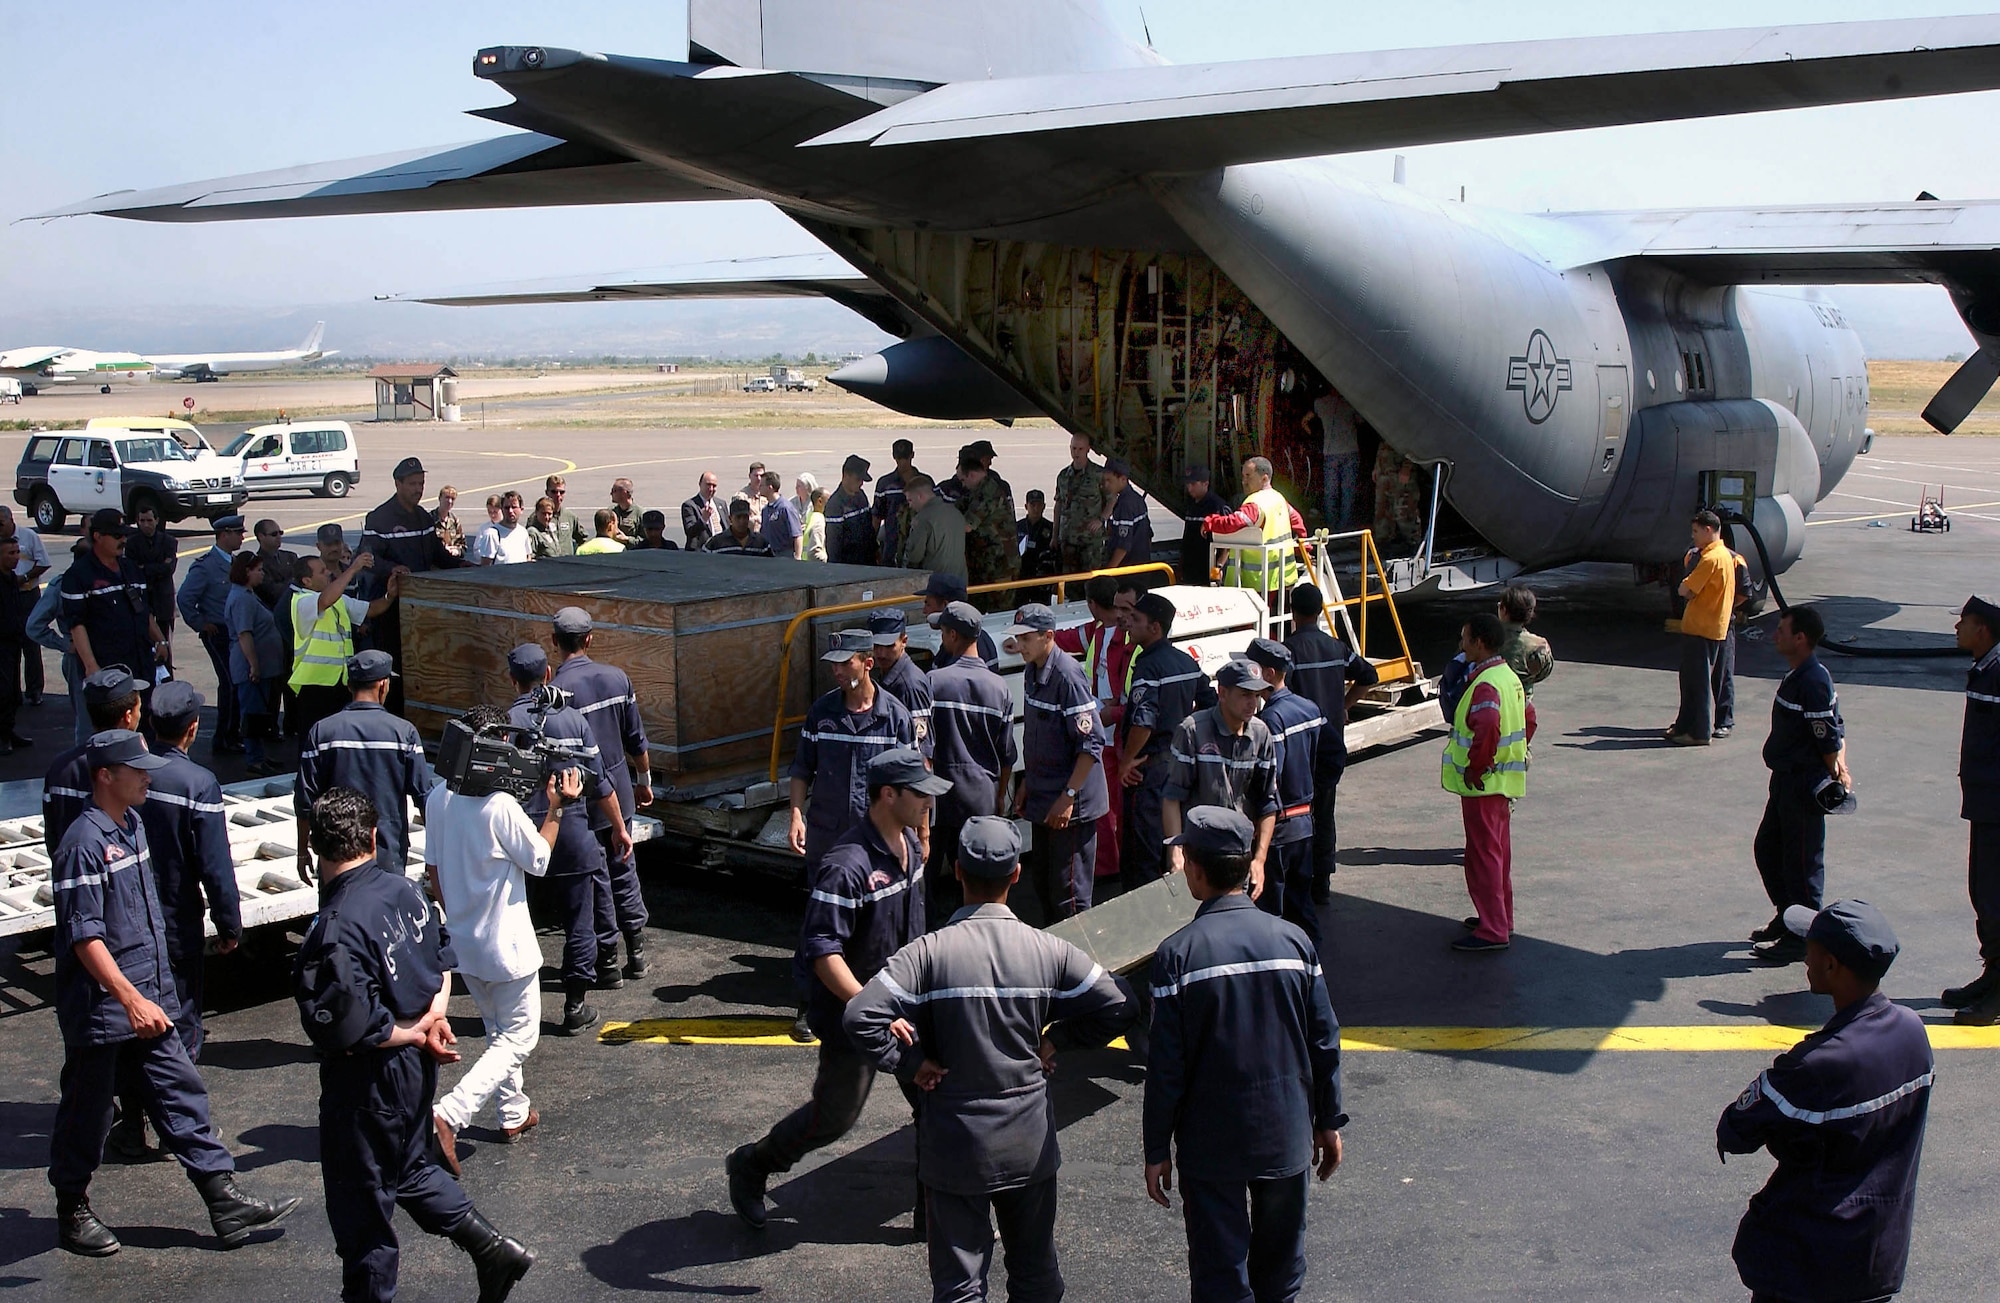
x=500, y=546
x=33, y=553
x=482, y=846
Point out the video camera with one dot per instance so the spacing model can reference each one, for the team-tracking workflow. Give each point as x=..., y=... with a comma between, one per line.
x=517, y=761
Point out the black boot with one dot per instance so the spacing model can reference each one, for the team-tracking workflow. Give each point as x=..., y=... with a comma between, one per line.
x=235, y=1214
x=746, y=1186
x=127, y=1141
x=501, y=1259
x=79, y=1231
x=608, y=976
x=577, y=1016
x=1958, y=997
x=635, y=954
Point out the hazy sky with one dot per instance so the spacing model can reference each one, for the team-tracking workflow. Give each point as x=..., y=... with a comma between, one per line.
x=117, y=95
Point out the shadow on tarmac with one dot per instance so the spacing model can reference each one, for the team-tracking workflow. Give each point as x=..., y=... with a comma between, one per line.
x=1608, y=737
x=752, y=981
x=24, y=1136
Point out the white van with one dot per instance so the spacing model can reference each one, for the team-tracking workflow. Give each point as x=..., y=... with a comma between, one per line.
x=317, y=456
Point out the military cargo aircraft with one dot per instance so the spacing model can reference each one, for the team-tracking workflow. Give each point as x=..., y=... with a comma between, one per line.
x=1059, y=222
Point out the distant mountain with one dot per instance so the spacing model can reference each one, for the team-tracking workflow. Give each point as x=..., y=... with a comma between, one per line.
x=1895, y=321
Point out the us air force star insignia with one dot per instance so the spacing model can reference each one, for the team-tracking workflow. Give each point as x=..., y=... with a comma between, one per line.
x=1539, y=376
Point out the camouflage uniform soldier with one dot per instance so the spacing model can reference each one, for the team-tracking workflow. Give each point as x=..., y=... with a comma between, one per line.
x=990, y=554
x=1399, y=499
x=1079, y=507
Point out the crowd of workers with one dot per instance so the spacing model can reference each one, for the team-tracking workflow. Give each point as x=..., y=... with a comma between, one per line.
x=1135, y=761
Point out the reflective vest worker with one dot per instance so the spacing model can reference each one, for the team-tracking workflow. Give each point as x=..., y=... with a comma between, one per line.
x=1263, y=509
x=323, y=623
x=1486, y=767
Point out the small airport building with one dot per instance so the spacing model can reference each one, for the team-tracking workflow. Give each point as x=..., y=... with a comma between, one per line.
x=415, y=391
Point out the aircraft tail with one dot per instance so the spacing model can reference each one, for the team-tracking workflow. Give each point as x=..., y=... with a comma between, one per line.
x=312, y=340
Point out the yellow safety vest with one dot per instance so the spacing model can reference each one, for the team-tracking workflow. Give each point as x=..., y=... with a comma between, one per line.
x=1090, y=660
x=1509, y=774
x=320, y=648
x=1276, y=566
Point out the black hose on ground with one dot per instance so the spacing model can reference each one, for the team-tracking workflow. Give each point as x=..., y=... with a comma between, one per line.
x=1731, y=516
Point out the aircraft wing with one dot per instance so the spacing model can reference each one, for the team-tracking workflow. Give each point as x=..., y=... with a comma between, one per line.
x=32, y=357
x=519, y=171
x=1190, y=118
x=797, y=275
x=1807, y=244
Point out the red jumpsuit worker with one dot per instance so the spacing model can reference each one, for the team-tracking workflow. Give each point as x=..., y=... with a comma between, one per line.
x=1486, y=766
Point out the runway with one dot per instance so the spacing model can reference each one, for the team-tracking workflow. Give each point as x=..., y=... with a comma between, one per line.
x=1537, y=1124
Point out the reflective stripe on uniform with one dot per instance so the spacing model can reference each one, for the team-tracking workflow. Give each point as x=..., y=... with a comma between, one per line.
x=895, y=888
x=1206, y=759
x=359, y=744
x=1811, y=1118
x=1248, y=967
x=857, y=739
x=95, y=879
x=185, y=802
x=1058, y=708
x=992, y=992
x=971, y=708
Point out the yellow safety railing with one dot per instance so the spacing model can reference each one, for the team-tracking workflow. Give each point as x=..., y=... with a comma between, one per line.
x=1391, y=671
x=1061, y=582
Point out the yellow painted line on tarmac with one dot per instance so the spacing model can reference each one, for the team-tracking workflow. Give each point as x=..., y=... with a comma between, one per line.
x=1739, y=1038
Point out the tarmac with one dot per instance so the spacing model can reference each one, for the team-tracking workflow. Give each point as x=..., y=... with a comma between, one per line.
x=1535, y=1124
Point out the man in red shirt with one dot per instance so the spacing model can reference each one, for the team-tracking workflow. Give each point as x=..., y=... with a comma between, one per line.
x=1106, y=649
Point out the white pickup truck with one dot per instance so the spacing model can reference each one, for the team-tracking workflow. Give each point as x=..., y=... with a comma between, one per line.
x=127, y=463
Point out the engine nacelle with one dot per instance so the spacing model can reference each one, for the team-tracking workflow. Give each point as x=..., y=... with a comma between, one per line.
x=931, y=377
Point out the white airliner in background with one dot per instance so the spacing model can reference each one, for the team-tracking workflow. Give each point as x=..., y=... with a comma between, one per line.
x=40, y=365
x=213, y=366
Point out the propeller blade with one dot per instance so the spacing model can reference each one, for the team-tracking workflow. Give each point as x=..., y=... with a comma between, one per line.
x=1963, y=392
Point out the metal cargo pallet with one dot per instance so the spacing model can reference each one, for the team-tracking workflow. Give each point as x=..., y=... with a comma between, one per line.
x=263, y=843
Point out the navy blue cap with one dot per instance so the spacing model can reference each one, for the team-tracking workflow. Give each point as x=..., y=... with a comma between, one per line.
x=983, y=447
x=110, y=520
x=849, y=643
x=989, y=847
x=944, y=586
x=1236, y=673
x=960, y=617
x=572, y=620
x=887, y=625
x=108, y=685
x=330, y=532
x=856, y=465
x=228, y=522
x=904, y=766
x=371, y=666
x=1853, y=930
x=407, y=467
x=1196, y=472
x=175, y=702
x=653, y=519
x=1118, y=466
x=1215, y=830
x=528, y=662
x=1035, y=617
x=121, y=746
x=1271, y=653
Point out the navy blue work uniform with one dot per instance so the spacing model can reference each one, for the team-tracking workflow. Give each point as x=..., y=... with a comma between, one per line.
x=972, y=746
x=379, y=755
x=1295, y=725
x=1242, y=1068
x=867, y=902
x=375, y=954
x=1979, y=798
x=203, y=600
x=1806, y=727
x=907, y=684
x=111, y=606
x=398, y=537
x=1843, y=1112
x=104, y=891
x=835, y=745
x=1167, y=686
x=189, y=840
x=578, y=876
x=603, y=695
x=1130, y=527
x=65, y=795
x=1193, y=570
x=1323, y=667
x=1061, y=723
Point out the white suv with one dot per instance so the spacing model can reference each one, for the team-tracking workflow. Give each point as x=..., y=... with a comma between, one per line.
x=127, y=463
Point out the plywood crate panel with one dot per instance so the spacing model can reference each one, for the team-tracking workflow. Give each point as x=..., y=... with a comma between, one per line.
x=699, y=635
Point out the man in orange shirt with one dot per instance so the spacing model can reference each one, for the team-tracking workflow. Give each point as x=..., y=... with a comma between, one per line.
x=1710, y=589
x=1106, y=649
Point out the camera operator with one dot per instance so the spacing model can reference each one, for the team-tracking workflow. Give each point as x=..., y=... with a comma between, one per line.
x=477, y=849
x=578, y=875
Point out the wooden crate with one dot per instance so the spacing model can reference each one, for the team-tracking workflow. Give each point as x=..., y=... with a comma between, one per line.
x=699, y=634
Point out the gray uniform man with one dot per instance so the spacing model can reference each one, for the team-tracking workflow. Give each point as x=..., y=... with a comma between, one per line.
x=960, y=1013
